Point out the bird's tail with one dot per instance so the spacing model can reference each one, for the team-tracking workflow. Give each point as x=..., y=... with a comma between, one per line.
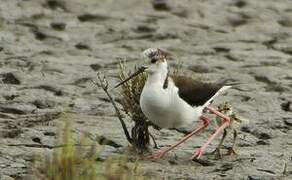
x=224, y=88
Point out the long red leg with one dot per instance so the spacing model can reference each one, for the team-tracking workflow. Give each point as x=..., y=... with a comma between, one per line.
x=225, y=124
x=161, y=152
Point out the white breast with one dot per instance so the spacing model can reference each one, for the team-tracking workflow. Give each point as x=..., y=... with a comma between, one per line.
x=165, y=108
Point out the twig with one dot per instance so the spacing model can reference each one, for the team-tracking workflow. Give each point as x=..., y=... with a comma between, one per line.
x=103, y=83
x=154, y=141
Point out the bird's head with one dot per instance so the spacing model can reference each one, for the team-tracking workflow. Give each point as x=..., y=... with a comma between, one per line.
x=156, y=62
x=225, y=108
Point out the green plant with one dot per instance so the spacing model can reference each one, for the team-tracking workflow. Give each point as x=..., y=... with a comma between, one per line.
x=72, y=161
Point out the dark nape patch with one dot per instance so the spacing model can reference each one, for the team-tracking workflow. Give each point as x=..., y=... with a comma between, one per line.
x=165, y=84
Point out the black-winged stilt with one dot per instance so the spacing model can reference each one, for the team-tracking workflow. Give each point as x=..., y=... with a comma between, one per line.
x=173, y=101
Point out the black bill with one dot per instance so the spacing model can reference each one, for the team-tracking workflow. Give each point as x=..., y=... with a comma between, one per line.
x=139, y=71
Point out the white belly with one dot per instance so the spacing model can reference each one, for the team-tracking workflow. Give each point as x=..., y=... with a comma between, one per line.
x=166, y=109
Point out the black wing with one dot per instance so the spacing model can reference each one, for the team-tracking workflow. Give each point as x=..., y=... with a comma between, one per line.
x=195, y=93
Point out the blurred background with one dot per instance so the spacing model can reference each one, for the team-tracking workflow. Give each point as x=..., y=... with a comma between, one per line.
x=50, y=50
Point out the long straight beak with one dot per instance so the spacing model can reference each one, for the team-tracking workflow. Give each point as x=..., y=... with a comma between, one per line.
x=139, y=71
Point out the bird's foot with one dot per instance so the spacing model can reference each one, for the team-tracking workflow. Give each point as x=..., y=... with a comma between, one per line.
x=199, y=152
x=157, y=154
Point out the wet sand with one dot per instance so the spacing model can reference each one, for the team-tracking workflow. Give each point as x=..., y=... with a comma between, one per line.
x=51, y=50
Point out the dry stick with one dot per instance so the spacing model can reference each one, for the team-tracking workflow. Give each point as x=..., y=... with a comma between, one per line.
x=153, y=139
x=103, y=83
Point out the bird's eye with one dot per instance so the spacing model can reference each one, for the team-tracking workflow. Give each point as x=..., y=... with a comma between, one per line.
x=153, y=61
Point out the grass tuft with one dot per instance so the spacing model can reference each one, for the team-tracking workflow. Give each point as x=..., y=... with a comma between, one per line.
x=130, y=100
x=72, y=161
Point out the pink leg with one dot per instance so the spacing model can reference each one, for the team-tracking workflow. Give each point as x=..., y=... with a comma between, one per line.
x=225, y=124
x=161, y=152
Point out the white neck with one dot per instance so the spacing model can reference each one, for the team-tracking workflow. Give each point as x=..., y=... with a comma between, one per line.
x=158, y=76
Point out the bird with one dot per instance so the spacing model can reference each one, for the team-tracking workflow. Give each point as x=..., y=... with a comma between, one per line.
x=176, y=101
x=235, y=122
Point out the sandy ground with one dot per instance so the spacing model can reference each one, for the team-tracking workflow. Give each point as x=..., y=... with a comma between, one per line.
x=50, y=50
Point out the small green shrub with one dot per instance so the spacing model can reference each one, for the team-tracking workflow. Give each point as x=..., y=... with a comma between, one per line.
x=72, y=161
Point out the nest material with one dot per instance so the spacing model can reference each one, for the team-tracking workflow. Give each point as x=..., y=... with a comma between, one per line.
x=130, y=98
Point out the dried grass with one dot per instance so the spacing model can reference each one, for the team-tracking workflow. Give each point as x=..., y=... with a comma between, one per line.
x=130, y=98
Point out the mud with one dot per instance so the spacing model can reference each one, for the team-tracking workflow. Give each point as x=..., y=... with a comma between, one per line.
x=50, y=50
